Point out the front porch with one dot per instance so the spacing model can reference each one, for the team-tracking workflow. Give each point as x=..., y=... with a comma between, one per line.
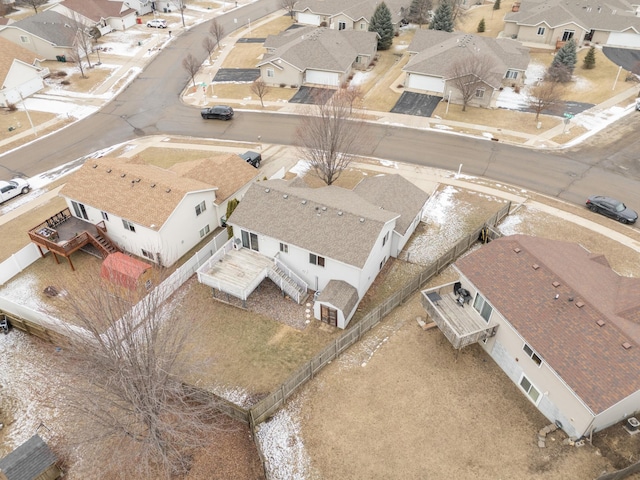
x=63, y=234
x=460, y=323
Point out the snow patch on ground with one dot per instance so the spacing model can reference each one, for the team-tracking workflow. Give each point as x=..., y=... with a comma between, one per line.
x=301, y=168
x=360, y=78
x=389, y=163
x=282, y=445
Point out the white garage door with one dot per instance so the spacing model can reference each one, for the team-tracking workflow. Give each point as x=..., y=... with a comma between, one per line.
x=423, y=82
x=309, y=19
x=624, y=40
x=322, y=78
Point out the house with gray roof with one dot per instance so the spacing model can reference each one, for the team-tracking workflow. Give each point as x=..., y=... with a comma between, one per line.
x=316, y=56
x=435, y=52
x=553, y=22
x=341, y=15
x=33, y=460
x=47, y=34
x=104, y=15
x=334, y=239
x=557, y=319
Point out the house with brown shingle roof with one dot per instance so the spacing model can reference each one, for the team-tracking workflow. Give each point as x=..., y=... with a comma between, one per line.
x=435, y=52
x=105, y=15
x=351, y=15
x=20, y=73
x=552, y=22
x=564, y=327
x=316, y=56
x=334, y=239
x=153, y=212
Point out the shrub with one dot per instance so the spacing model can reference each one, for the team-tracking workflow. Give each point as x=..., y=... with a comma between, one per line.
x=65, y=82
x=481, y=26
x=12, y=107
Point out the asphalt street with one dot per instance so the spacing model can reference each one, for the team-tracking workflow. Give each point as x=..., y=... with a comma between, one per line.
x=151, y=105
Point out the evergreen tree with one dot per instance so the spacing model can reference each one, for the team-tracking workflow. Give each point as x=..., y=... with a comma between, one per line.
x=382, y=24
x=443, y=18
x=567, y=56
x=481, y=26
x=496, y=5
x=419, y=12
x=589, y=61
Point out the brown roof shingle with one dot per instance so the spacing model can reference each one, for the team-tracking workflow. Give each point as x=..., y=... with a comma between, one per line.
x=9, y=52
x=590, y=358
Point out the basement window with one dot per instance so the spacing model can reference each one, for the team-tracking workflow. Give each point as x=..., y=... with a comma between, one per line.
x=529, y=389
x=147, y=254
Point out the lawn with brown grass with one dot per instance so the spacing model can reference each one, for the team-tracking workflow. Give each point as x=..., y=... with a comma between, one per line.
x=493, y=20
x=167, y=157
x=19, y=121
x=93, y=78
x=273, y=27
x=241, y=91
x=244, y=55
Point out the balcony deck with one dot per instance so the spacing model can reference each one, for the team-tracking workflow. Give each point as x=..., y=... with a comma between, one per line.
x=461, y=324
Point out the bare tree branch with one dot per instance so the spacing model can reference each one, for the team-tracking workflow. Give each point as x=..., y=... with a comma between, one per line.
x=329, y=137
x=545, y=96
x=217, y=31
x=469, y=75
x=32, y=3
x=352, y=95
x=289, y=6
x=191, y=65
x=260, y=89
x=209, y=45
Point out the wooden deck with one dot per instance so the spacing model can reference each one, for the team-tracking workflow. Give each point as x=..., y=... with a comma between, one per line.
x=237, y=273
x=461, y=324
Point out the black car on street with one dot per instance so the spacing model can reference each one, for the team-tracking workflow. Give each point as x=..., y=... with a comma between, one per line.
x=611, y=208
x=218, y=112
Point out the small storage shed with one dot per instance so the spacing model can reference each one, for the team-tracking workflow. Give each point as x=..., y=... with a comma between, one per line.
x=33, y=460
x=127, y=272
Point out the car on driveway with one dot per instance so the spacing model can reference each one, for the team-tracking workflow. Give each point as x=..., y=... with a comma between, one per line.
x=611, y=208
x=220, y=112
x=254, y=158
x=157, y=23
x=12, y=188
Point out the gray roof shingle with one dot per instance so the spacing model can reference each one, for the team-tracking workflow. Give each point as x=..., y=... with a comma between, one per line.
x=354, y=9
x=330, y=221
x=51, y=26
x=589, y=358
x=28, y=460
x=340, y=294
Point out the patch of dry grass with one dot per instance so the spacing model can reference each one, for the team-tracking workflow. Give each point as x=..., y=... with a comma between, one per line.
x=348, y=179
x=378, y=93
x=275, y=26
x=167, y=157
x=493, y=20
x=244, y=55
x=94, y=77
x=20, y=121
x=241, y=91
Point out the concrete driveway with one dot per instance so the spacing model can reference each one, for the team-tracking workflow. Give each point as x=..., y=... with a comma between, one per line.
x=312, y=95
x=418, y=104
x=625, y=57
x=237, y=75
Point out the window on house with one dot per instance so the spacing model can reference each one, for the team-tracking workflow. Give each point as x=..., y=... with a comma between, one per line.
x=105, y=216
x=80, y=210
x=250, y=240
x=384, y=239
x=128, y=225
x=270, y=73
x=567, y=35
x=358, y=59
x=284, y=248
x=148, y=254
x=529, y=351
x=201, y=207
x=342, y=25
x=511, y=74
x=316, y=259
x=383, y=262
x=362, y=26
x=529, y=389
x=482, y=307
x=541, y=30
x=480, y=93
x=204, y=231
x=24, y=39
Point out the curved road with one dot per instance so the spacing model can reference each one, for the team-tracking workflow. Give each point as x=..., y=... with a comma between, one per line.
x=151, y=105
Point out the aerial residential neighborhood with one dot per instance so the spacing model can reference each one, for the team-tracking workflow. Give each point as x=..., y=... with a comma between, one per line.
x=412, y=242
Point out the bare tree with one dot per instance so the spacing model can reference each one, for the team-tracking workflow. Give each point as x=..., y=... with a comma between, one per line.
x=260, y=89
x=209, y=45
x=217, y=31
x=545, y=96
x=132, y=411
x=469, y=75
x=180, y=5
x=289, y=6
x=4, y=8
x=191, y=65
x=83, y=41
x=459, y=10
x=32, y=3
x=329, y=138
x=352, y=95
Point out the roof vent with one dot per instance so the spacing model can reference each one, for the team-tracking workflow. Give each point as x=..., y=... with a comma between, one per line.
x=626, y=345
x=556, y=284
x=123, y=175
x=304, y=202
x=285, y=196
x=153, y=185
x=600, y=323
x=517, y=250
x=570, y=299
x=361, y=220
x=324, y=209
x=108, y=170
x=137, y=180
x=95, y=165
x=579, y=304
x=339, y=214
x=535, y=266
x=168, y=190
x=266, y=190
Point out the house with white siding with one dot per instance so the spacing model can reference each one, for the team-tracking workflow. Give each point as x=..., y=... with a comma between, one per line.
x=332, y=239
x=145, y=210
x=557, y=319
x=21, y=73
x=341, y=15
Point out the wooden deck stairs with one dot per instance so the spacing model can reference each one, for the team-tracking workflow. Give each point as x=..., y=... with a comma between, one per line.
x=287, y=285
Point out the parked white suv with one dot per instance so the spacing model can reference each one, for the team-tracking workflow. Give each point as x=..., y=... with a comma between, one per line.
x=157, y=23
x=12, y=188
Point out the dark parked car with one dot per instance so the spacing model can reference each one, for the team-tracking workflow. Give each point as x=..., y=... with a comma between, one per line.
x=611, y=208
x=254, y=158
x=221, y=112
